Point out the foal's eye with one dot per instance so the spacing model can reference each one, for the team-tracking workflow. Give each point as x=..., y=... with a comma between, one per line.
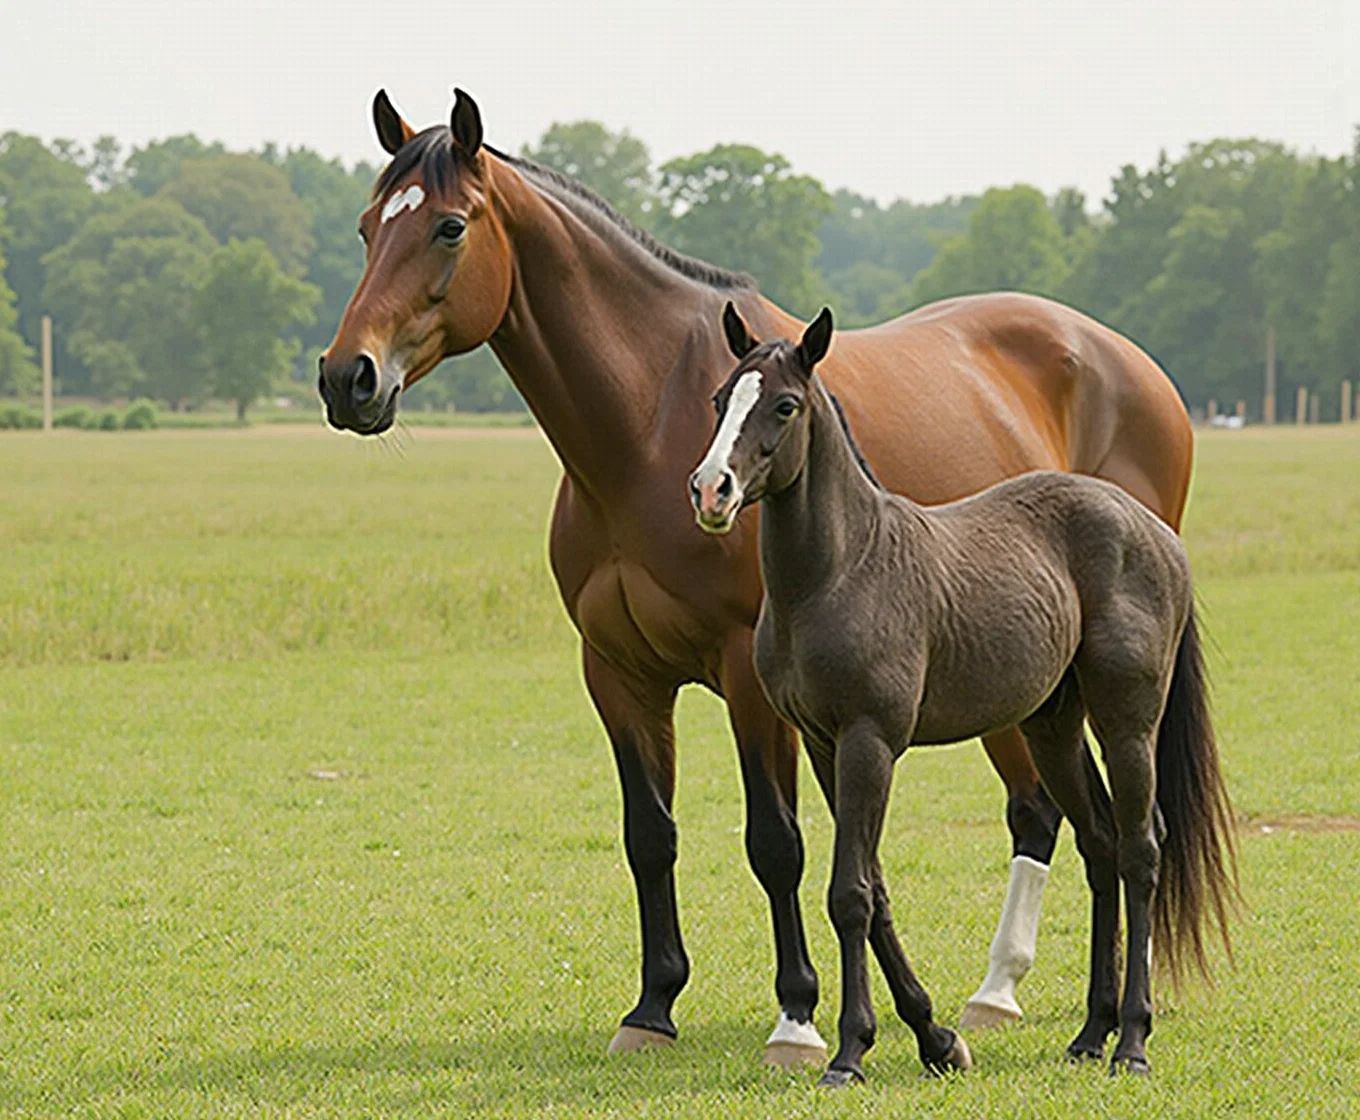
x=786, y=408
x=451, y=230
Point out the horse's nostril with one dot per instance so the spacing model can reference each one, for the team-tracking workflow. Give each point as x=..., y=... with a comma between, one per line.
x=724, y=490
x=365, y=386
x=321, y=385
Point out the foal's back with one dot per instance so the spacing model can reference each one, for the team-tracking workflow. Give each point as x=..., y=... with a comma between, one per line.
x=1012, y=583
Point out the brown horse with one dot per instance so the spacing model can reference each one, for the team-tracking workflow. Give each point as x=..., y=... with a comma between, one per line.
x=613, y=340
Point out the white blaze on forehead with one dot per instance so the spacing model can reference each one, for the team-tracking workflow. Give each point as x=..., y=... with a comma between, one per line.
x=409, y=199
x=744, y=396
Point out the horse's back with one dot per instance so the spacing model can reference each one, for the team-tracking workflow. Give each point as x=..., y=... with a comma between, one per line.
x=960, y=394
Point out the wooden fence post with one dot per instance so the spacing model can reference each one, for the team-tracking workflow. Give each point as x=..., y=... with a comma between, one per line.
x=1213, y=410
x=1314, y=409
x=1268, y=405
x=1242, y=411
x=1301, y=406
x=47, y=372
x=1345, y=402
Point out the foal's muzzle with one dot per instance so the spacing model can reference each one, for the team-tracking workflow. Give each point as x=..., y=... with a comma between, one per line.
x=716, y=500
x=354, y=396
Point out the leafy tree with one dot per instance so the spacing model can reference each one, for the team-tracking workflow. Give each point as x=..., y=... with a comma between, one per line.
x=743, y=208
x=243, y=197
x=334, y=197
x=123, y=288
x=867, y=293
x=104, y=165
x=617, y=165
x=154, y=166
x=18, y=374
x=1013, y=242
x=46, y=200
x=247, y=307
x=902, y=237
x=1069, y=211
x=1293, y=266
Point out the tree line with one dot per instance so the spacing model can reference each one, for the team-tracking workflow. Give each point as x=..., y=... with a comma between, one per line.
x=181, y=271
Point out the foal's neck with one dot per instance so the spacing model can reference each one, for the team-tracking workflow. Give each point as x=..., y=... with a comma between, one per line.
x=596, y=329
x=813, y=530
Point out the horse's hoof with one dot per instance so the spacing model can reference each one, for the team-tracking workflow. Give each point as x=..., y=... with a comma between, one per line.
x=840, y=1079
x=790, y=1055
x=1134, y=1065
x=1081, y=1054
x=628, y=1039
x=794, y=1044
x=958, y=1060
x=983, y=1016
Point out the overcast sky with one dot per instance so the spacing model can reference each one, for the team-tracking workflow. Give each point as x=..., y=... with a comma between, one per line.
x=916, y=99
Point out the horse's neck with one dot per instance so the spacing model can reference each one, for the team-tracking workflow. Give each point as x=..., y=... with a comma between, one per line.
x=595, y=330
x=825, y=520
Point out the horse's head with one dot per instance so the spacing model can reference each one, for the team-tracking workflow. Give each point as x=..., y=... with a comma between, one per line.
x=761, y=441
x=436, y=280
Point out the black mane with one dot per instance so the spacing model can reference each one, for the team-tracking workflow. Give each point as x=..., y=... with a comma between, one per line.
x=850, y=438
x=432, y=151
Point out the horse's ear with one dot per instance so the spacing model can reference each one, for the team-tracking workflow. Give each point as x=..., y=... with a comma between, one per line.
x=466, y=124
x=816, y=340
x=739, y=339
x=393, y=132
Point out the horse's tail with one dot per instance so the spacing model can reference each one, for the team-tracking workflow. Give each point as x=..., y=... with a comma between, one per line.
x=1199, y=856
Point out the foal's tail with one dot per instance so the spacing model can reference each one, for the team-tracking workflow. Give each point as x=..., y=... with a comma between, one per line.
x=1199, y=856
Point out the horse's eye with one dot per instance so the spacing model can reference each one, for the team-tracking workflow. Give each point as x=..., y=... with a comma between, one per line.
x=451, y=230
x=786, y=408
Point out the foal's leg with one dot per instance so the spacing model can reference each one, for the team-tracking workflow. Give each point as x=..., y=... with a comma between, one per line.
x=1130, y=762
x=768, y=749
x=940, y=1048
x=1033, y=820
x=638, y=719
x=1058, y=743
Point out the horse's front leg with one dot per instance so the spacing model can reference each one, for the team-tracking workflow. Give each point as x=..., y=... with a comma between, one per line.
x=768, y=749
x=638, y=717
x=863, y=779
x=1033, y=820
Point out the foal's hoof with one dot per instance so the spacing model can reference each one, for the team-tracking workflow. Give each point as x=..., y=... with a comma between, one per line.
x=957, y=1060
x=840, y=1079
x=1079, y=1053
x=983, y=1016
x=1133, y=1065
x=628, y=1039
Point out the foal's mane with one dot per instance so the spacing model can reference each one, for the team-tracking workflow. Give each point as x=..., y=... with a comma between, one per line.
x=432, y=151
x=850, y=439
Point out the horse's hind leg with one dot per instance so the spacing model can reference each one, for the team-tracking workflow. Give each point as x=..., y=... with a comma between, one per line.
x=1058, y=743
x=1033, y=821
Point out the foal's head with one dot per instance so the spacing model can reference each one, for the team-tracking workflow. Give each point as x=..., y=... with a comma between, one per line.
x=437, y=276
x=761, y=441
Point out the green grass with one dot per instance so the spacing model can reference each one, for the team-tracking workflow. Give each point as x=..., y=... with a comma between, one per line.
x=306, y=813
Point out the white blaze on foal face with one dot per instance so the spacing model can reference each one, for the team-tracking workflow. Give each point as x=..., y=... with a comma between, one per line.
x=408, y=199
x=745, y=393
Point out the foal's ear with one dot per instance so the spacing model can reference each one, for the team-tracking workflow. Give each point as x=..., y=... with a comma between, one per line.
x=393, y=132
x=466, y=124
x=816, y=340
x=739, y=339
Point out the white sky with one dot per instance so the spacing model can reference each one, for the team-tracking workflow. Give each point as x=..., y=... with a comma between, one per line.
x=916, y=99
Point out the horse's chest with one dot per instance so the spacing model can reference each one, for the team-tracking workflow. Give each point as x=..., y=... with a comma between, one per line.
x=637, y=624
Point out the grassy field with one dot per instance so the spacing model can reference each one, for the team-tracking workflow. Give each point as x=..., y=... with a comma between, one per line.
x=304, y=811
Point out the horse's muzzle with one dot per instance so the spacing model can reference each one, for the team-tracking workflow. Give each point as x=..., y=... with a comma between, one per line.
x=716, y=503
x=354, y=397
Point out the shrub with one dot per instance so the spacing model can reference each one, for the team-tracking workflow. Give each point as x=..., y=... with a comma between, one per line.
x=139, y=416
x=16, y=417
x=108, y=422
x=78, y=417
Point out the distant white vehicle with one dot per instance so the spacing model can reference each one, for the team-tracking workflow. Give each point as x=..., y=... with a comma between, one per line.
x=1223, y=421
